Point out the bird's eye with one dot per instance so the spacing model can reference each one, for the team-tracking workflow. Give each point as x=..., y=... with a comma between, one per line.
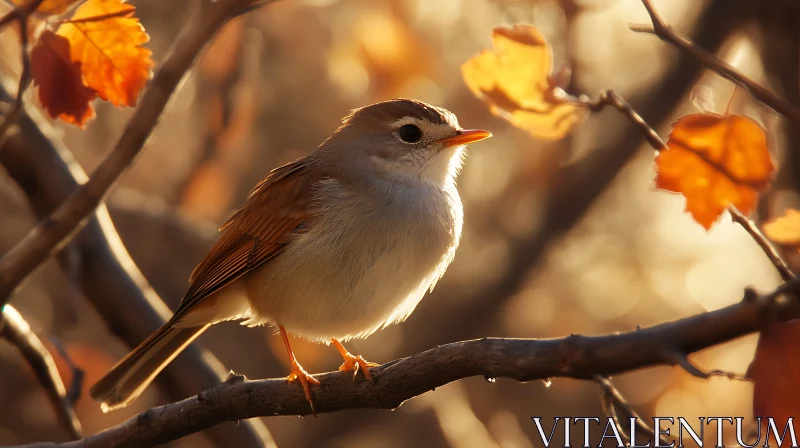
x=410, y=133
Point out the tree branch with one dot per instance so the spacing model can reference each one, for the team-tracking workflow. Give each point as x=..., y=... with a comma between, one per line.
x=769, y=250
x=610, y=98
x=20, y=14
x=582, y=357
x=29, y=253
x=47, y=174
x=613, y=402
x=17, y=331
x=665, y=32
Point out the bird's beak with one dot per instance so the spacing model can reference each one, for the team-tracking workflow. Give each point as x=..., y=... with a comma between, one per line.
x=465, y=136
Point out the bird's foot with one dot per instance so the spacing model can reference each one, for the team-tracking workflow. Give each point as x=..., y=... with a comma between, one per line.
x=356, y=363
x=353, y=362
x=298, y=373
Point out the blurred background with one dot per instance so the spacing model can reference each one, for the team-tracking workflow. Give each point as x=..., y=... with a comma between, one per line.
x=560, y=237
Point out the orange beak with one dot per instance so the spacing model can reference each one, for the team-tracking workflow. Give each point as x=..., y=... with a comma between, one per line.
x=465, y=136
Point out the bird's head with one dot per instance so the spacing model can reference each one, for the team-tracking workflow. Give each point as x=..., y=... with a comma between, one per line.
x=405, y=139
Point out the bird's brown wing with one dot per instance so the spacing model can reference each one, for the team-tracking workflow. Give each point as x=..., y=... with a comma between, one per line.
x=256, y=233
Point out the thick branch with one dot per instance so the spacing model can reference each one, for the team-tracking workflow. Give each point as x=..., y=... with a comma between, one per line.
x=46, y=173
x=17, y=331
x=582, y=357
x=665, y=32
x=21, y=260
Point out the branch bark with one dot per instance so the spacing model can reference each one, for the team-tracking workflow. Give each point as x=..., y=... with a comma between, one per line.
x=46, y=173
x=582, y=357
x=17, y=331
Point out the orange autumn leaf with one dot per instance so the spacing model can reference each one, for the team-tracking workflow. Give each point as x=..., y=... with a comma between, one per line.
x=784, y=230
x=515, y=81
x=61, y=89
x=49, y=7
x=715, y=162
x=107, y=39
x=775, y=372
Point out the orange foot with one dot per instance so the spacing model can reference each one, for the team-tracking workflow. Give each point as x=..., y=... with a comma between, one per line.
x=298, y=373
x=352, y=362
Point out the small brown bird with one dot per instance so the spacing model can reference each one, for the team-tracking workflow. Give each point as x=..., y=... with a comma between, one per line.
x=333, y=246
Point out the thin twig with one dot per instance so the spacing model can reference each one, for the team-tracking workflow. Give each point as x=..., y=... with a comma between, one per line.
x=15, y=111
x=78, y=374
x=730, y=375
x=614, y=401
x=610, y=98
x=769, y=250
x=20, y=12
x=56, y=230
x=677, y=358
x=581, y=357
x=17, y=331
x=665, y=32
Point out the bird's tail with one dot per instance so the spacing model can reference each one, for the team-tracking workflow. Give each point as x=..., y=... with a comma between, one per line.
x=128, y=379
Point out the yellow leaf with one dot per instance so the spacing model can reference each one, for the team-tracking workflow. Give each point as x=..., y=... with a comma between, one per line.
x=785, y=230
x=515, y=81
x=715, y=161
x=107, y=40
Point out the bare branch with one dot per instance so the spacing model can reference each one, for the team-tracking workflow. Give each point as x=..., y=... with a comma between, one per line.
x=769, y=250
x=21, y=15
x=76, y=386
x=17, y=331
x=45, y=238
x=582, y=357
x=610, y=98
x=665, y=32
x=677, y=358
x=613, y=401
x=19, y=12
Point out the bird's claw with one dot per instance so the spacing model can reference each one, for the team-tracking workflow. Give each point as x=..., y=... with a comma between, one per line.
x=356, y=363
x=298, y=373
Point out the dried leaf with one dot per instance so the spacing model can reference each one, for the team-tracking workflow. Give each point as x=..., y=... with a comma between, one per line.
x=48, y=7
x=515, y=81
x=784, y=230
x=107, y=39
x=775, y=371
x=61, y=89
x=715, y=162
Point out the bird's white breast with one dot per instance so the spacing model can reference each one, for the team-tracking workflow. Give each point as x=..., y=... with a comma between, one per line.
x=365, y=261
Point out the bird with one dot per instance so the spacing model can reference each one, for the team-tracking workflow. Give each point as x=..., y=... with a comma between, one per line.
x=335, y=245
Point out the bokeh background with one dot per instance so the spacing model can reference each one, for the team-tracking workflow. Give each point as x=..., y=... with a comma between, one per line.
x=276, y=82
